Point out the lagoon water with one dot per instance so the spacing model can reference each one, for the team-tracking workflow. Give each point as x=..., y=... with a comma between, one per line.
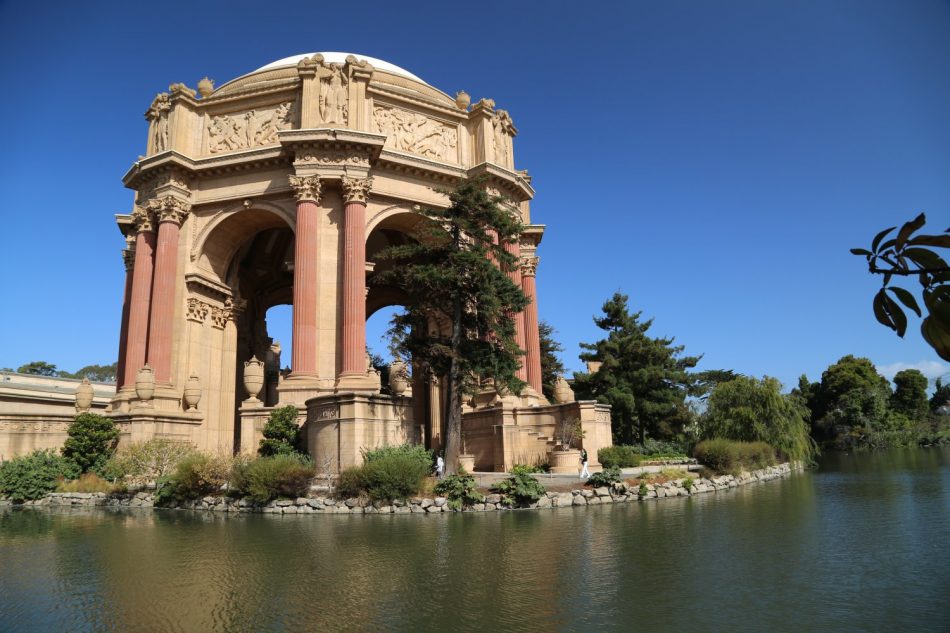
x=860, y=544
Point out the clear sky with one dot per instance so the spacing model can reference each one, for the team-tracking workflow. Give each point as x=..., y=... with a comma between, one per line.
x=713, y=160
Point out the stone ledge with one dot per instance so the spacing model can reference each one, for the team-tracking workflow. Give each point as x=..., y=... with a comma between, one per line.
x=617, y=493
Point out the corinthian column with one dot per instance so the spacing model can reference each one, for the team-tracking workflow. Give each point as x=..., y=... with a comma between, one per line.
x=141, y=296
x=529, y=268
x=514, y=249
x=170, y=213
x=306, y=266
x=127, y=259
x=355, y=192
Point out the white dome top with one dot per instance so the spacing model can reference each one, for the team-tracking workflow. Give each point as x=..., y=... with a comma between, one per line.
x=341, y=58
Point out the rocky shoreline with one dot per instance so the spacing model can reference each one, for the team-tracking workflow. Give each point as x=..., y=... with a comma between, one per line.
x=617, y=493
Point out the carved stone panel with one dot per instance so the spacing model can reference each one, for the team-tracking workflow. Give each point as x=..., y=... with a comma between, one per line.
x=416, y=133
x=230, y=132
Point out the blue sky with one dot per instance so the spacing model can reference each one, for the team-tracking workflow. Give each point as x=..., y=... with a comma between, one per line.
x=713, y=160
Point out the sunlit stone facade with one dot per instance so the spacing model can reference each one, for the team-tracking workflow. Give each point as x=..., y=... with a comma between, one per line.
x=280, y=187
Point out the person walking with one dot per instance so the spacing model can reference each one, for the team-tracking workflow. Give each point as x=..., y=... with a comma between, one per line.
x=585, y=473
x=439, y=466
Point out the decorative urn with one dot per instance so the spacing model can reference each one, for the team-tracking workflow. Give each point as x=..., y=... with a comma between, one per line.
x=205, y=87
x=84, y=394
x=462, y=100
x=192, y=393
x=145, y=383
x=467, y=463
x=398, y=377
x=253, y=378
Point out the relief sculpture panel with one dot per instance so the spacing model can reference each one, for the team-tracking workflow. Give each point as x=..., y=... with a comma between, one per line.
x=229, y=132
x=416, y=133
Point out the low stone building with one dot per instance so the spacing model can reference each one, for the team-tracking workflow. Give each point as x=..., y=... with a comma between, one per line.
x=281, y=187
x=36, y=410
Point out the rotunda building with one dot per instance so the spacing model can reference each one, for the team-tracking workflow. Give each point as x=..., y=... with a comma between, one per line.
x=281, y=187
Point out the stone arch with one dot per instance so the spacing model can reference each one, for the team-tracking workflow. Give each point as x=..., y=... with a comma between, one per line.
x=219, y=240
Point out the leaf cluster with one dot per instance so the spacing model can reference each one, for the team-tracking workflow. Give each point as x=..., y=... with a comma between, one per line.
x=34, y=475
x=281, y=433
x=519, y=489
x=91, y=441
x=455, y=275
x=460, y=490
x=910, y=255
x=644, y=379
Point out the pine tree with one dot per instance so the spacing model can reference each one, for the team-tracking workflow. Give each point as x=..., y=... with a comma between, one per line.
x=455, y=274
x=644, y=379
x=551, y=365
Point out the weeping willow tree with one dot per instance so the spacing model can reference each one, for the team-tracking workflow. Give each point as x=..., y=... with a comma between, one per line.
x=455, y=273
x=751, y=410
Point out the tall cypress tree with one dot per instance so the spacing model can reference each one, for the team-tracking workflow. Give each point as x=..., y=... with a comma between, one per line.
x=644, y=379
x=455, y=273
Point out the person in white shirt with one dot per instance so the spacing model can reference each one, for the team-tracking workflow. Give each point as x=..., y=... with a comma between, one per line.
x=439, y=466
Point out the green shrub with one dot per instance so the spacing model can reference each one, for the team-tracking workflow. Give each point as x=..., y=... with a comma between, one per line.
x=195, y=476
x=267, y=478
x=87, y=482
x=460, y=490
x=619, y=456
x=606, y=477
x=519, y=489
x=143, y=463
x=281, y=433
x=35, y=475
x=412, y=452
x=688, y=484
x=91, y=442
x=351, y=482
x=727, y=456
x=642, y=490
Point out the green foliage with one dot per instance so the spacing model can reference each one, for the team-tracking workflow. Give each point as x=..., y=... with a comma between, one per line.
x=519, y=489
x=752, y=410
x=644, y=379
x=642, y=489
x=387, y=473
x=267, y=478
x=142, y=463
x=456, y=270
x=281, y=432
x=460, y=490
x=35, y=475
x=551, y=365
x=688, y=484
x=529, y=469
x=606, y=477
x=941, y=397
x=38, y=368
x=910, y=394
x=195, y=476
x=619, y=456
x=95, y=373
x=91, y=442
x=727, y=456
x=907, y=255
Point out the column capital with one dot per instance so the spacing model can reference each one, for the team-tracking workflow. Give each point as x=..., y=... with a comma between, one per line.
x=529, y=265
x=306, y=188
x=143, y=220
x=168, y=209
x=356, y=189
x=128, y=258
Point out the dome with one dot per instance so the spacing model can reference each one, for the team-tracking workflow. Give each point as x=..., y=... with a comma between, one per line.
x=339, y=58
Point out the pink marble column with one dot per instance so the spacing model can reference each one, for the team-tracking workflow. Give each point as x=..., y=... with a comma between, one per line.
x=355, y=192
x=514, y=249
x=306, y=267
x=127, y=259
x=532, y=336
x=137, y=339
x=170, y=213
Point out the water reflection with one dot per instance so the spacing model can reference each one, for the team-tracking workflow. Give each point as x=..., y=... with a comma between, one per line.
x=858, y=545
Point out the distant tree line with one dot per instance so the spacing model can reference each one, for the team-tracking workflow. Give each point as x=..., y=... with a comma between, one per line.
x=95, y=373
